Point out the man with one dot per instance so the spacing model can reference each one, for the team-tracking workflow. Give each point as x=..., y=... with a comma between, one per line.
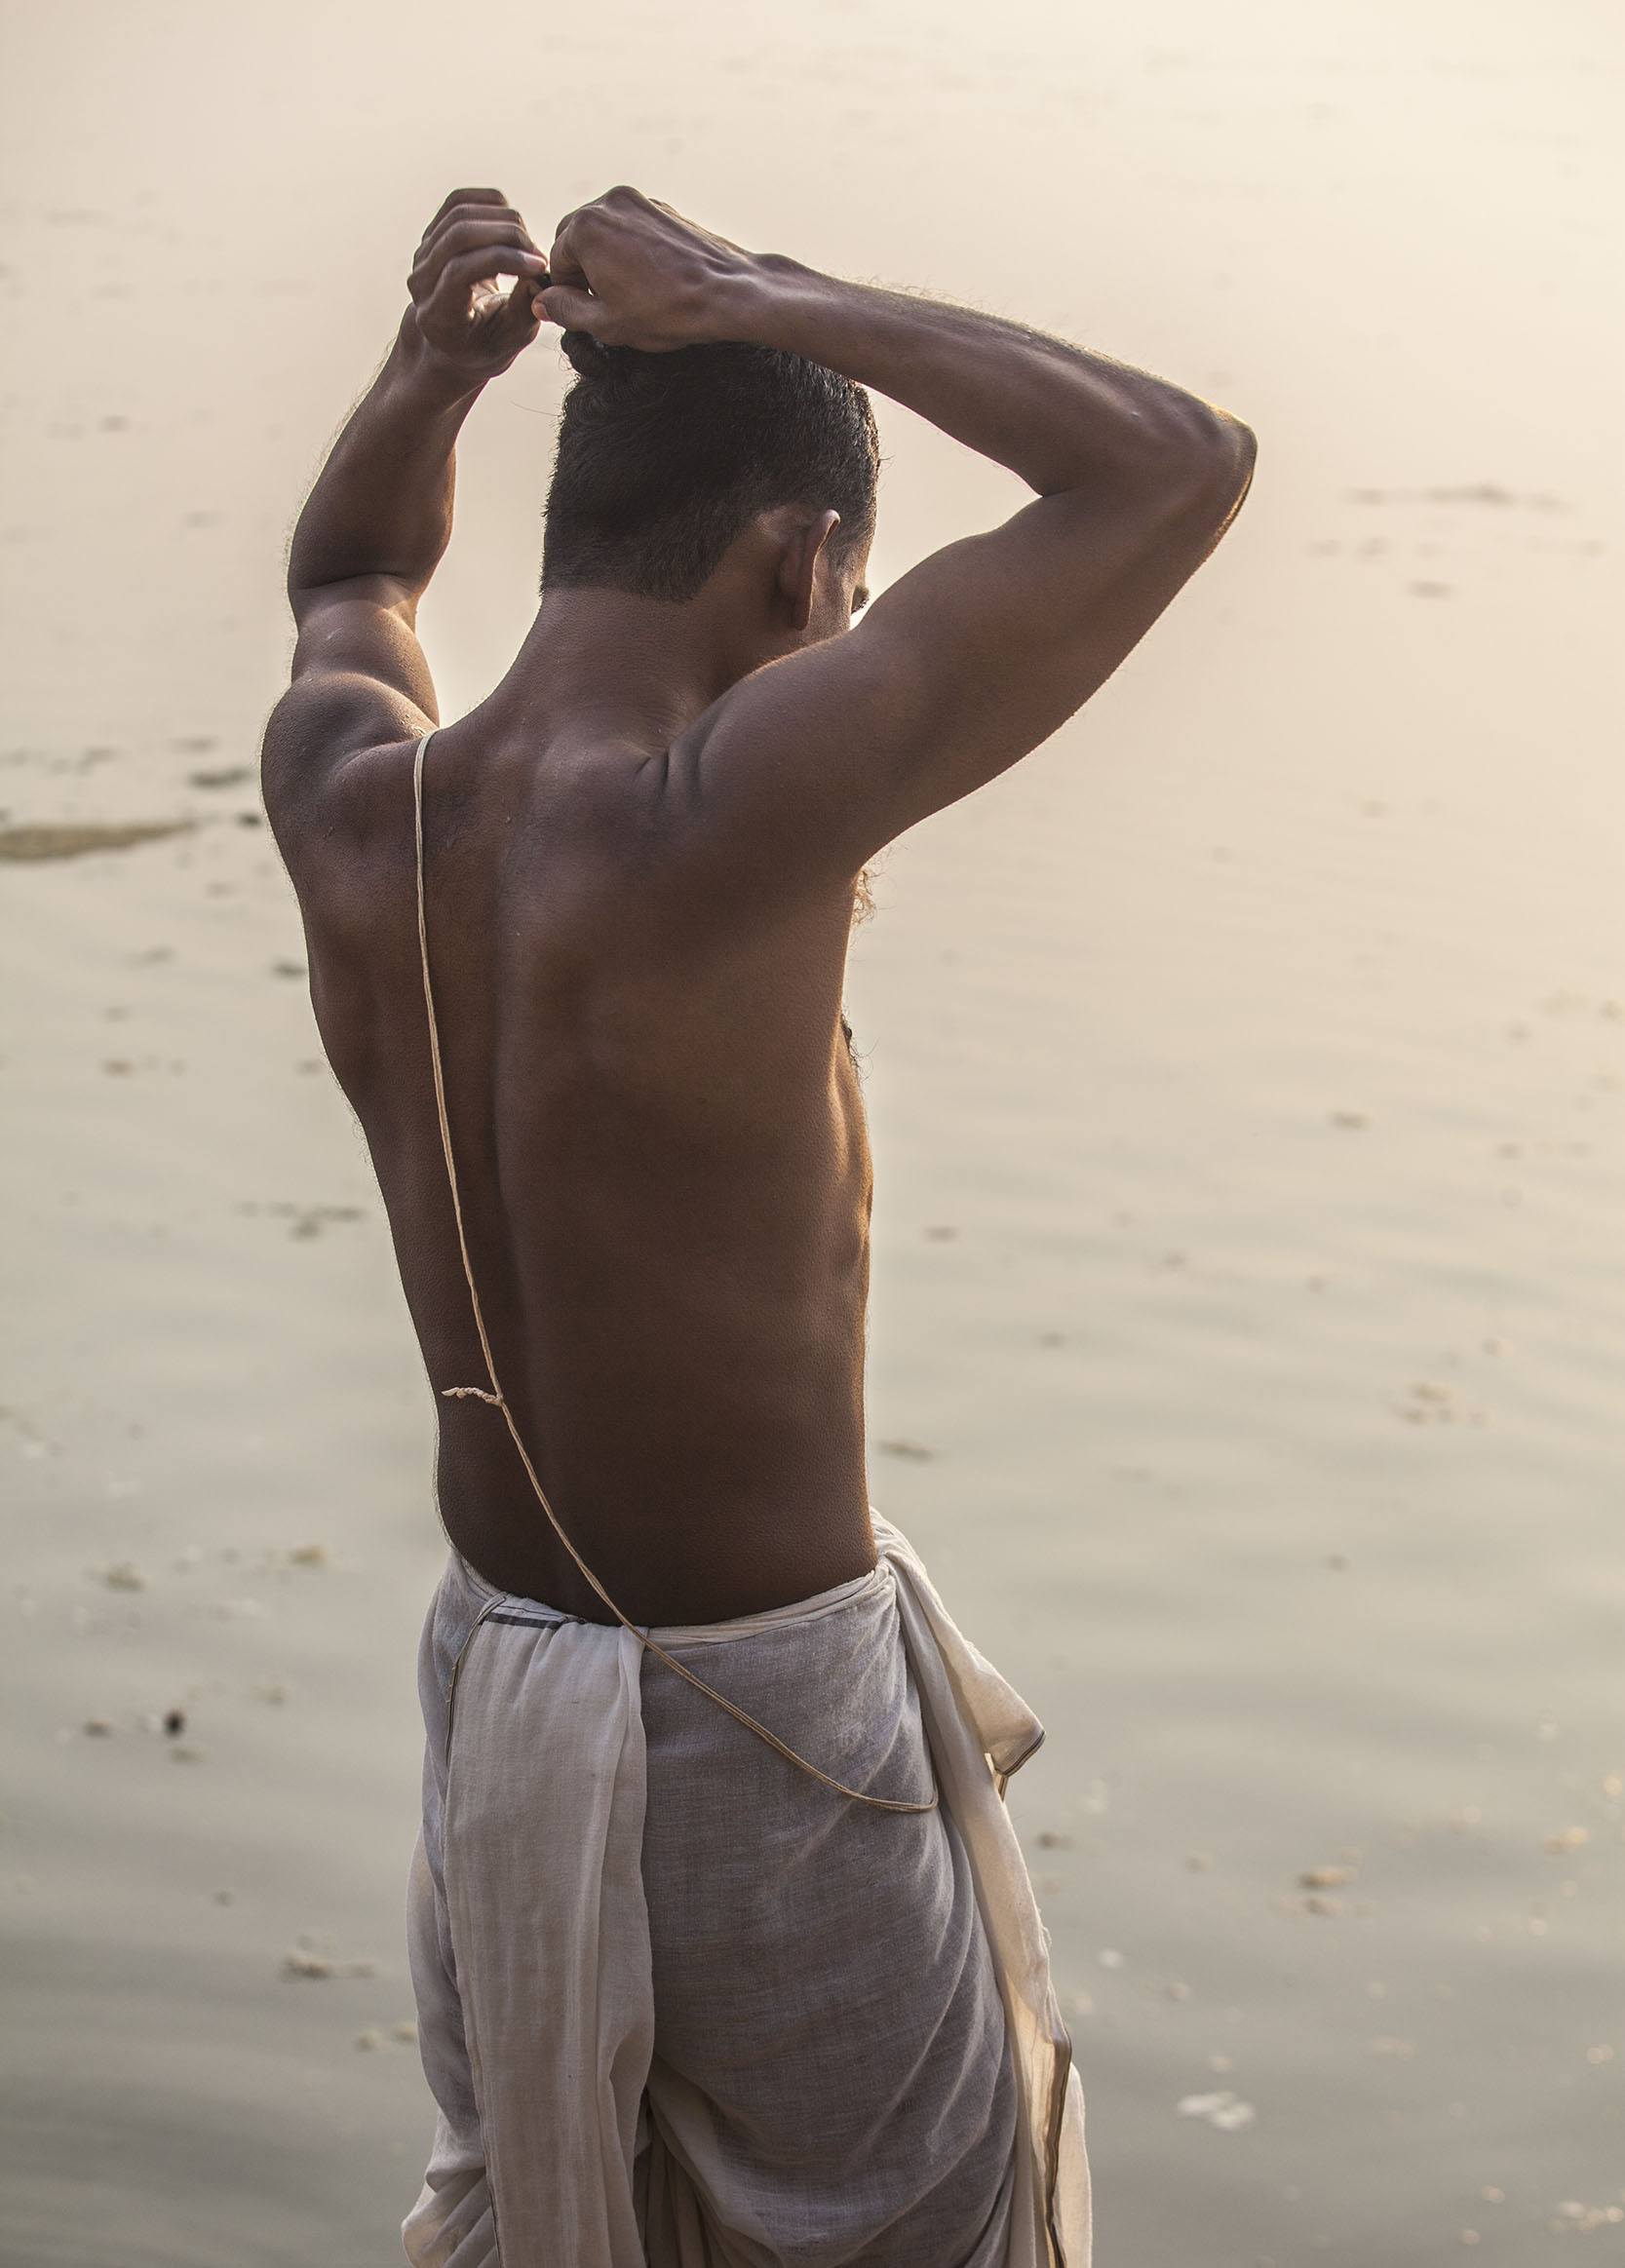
x=723, y=1948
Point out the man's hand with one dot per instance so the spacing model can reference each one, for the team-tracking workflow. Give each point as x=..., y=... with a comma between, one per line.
x=467, y=325
x=637, y=273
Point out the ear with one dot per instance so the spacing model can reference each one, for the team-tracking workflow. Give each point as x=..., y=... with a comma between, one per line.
x=798, y=565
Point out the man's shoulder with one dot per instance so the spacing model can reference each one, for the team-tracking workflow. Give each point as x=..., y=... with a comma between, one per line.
x=348, y=834
x=623, y=850
x=340, y=808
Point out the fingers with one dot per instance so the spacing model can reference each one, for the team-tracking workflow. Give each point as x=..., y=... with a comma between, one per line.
x=520, y=316
x=451, y=286
x=451, y=282
x=568, y=308
x=484, y=221
x=564, y=257
x=468, y=196
x=566, y=297
x=478, y=224
x=473, y=238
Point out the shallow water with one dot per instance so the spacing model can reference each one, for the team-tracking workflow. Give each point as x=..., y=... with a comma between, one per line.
x=1244, y=1072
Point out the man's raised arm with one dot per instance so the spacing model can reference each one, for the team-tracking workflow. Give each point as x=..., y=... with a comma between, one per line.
x=977, y=654
x=1060, y=418
x=378, y=519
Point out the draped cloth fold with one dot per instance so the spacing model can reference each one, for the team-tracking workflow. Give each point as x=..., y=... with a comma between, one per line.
x=681, y=2005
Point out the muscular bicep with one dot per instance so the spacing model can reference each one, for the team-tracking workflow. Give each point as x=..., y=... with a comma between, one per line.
x=961, y=668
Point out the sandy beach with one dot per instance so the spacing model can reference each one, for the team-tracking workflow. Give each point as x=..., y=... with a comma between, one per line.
x=1245, y=1073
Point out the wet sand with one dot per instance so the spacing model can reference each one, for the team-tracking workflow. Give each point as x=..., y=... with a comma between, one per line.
x=1245, y=1074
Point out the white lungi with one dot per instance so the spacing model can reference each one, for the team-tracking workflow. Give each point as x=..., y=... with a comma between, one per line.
x=679, y=2004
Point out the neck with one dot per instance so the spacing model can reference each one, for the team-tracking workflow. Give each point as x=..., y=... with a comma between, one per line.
x=636, y=671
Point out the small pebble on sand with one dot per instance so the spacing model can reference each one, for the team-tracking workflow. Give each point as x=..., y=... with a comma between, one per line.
x=1565, y=1839
x=1222, y=2108
x=1572, y=2214
x=300, y=1961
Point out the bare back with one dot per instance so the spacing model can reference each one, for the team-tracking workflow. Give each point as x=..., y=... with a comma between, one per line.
x=638, y=958
x=663, y=1164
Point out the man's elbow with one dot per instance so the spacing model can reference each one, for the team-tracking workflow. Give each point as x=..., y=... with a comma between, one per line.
x=1228, y=451
x=1195, y=462
x=1203, y=473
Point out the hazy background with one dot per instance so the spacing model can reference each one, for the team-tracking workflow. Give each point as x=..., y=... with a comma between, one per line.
x=1245, y=1074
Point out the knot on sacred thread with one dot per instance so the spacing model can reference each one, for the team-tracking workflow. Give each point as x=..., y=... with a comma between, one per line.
x=479, y=1391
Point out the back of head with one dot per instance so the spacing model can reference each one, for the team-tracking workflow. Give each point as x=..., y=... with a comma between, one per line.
x=664, y=458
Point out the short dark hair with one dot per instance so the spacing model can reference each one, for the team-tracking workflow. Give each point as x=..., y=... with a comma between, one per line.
x=663, y=458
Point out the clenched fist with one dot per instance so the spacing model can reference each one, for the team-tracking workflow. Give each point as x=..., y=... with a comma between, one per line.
x=460, y=315
x=635, y=273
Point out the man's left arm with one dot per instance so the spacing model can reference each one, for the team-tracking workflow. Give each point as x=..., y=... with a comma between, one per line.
x=378, y=519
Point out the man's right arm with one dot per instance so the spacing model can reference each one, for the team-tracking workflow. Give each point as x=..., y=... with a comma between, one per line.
x=972, y=659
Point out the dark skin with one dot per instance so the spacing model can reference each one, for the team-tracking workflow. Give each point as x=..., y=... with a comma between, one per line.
x=641, y=853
